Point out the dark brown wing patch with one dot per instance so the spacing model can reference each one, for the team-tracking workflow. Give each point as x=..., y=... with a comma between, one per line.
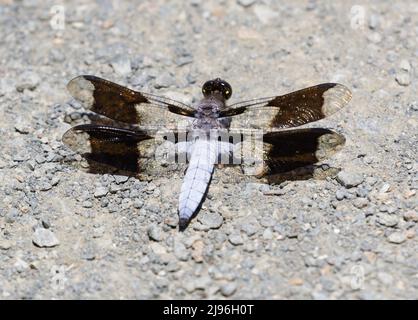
x=120, y=103
x=296, y=108
x=107, y=146
x=289, y=150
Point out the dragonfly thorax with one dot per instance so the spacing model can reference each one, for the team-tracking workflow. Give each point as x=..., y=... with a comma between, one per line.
x=207, y=115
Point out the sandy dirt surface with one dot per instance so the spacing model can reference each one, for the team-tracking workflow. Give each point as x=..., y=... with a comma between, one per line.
x=65, y=233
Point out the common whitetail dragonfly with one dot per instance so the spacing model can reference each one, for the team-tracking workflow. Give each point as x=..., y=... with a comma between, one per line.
x=126, y=118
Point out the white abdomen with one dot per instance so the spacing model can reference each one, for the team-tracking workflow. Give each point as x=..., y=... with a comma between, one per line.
x=197, y=178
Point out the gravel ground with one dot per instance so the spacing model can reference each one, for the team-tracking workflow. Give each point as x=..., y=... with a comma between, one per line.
x=68, y=234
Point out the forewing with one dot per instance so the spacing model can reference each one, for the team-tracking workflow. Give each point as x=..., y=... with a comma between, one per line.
x=289, y=110
x=123, y=104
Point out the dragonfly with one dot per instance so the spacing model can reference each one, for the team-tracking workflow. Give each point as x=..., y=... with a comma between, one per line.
x=211, y=135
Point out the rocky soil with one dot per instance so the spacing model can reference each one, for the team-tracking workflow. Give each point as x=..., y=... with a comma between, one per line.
x=65, y=233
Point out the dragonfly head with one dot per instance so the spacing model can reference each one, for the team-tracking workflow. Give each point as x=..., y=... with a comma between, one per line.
x=217, y=85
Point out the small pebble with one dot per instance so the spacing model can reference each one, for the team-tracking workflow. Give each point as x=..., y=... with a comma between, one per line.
x=172, y=221
x=371, y=181
x=236, y=239
x=268, y=234
x=197, y=253
x=22, y=128
x=44, y=238
x=411, y=216
x=87, y=204
x=360, y=203
x=29, y=80
x=349, y=179
x=403, y=79
x=21, y=265
x=340, y=194
x=385, y=188
x=228, y=289
x=250, y=228
x=88, y=253
x=180, y=251
x=374, y=37
x=373, y=21
x=405, y=65
x=265, y=14
x=100, y=192
x=246, y=3
x=155, y=233
x=158, y=248
x=387, y=220
x=397, y=237
x=46, y=224
x=121, y=65
x=5, y=244
x=138, y=203
x=212, y=220
x=121, y=179
x=164, y=81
